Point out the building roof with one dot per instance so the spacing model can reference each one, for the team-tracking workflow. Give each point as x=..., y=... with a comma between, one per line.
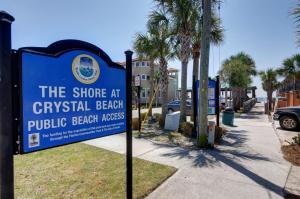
x=170, y=69
x=133, y=60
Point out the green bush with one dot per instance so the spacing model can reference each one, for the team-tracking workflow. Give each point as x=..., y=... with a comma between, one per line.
x=157, y=116
x=219, y=133
x=135, y=123
x=297, y=139
x=186, y=128
x=202, y=141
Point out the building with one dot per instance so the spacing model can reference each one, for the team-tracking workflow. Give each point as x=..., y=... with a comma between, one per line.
x=288, y=93
x=142, y=68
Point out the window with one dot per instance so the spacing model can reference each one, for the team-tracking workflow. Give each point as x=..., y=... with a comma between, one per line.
x=143, y=93
x=143, y=63
x=137, y=64
x=148, y=64
x=148, y=77
x=143, y=77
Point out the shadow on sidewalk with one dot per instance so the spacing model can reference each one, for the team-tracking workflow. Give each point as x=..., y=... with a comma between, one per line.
x=230, y=153
x=252, y=115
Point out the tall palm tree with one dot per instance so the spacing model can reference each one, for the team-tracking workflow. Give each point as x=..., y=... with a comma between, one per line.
x=145, y=49
x=217, y=36
x=183, y=15
x=159, y=29
x=269, y=84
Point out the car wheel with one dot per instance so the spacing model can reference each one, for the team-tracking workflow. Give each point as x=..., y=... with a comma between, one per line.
x=170, y=110
x=288, y=122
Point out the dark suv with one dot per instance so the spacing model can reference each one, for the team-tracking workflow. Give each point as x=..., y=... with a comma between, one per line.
x=289, y=117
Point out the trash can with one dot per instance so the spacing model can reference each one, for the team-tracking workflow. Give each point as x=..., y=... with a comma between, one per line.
x=172, y=121
x=228, y=116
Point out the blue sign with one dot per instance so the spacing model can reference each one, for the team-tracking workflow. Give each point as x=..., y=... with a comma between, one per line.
x=69, y=97
x=211, y=109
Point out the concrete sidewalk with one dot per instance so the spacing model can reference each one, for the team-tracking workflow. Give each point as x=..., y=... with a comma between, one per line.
x=248, y=165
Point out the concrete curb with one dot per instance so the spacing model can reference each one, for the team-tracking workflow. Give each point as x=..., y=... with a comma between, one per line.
x=276, y=132
x=289, y=189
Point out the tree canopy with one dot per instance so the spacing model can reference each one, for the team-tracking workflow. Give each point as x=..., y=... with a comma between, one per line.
x=269, y=79
x=238, y=70
x=290, y=67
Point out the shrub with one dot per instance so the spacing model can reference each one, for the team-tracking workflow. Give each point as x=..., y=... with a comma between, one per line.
x=157, y=116
x=219, y=133
x=159, y=119
x=135, y=123
x=186, y=128
x=297, y=139
x=202, y=141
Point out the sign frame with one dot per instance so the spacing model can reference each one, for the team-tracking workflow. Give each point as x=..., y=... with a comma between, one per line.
x=215, y=93
x=55, y=50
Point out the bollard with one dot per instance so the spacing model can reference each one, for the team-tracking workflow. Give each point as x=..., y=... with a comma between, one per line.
x=211, y=133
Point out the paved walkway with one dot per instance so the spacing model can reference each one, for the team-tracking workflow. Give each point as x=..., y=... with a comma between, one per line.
x=248, y=165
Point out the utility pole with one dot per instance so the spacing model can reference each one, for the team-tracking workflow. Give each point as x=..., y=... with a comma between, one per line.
x=204, y=64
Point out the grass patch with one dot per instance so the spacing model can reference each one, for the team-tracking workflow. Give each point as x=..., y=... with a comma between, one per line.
x=83, y=171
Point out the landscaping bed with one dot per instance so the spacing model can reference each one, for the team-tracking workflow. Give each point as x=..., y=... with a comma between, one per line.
x=168, y=137
x=292, y=153
x=83, y=171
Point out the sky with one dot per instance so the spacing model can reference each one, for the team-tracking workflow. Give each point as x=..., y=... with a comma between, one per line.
x=263, y=29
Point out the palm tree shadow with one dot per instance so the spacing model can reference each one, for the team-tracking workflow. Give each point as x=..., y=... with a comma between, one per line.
x=230, y=153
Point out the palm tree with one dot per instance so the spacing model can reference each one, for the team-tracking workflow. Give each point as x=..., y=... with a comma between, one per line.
x=290, y=69
x=145, y=49
x=183, y=15
x=236, y=72
x=217, y=36
x=159, y=29
x=269, y=84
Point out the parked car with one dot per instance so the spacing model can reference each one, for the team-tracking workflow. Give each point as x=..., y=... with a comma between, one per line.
x=175, y=106
x=289, y=117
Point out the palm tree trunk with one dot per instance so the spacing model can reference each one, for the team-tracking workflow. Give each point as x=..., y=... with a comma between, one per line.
x=196, y=57
x=204, y=66
x=164, y=87
x=236, y=99
x=183, y=91
x=151, y=73
x=269, y=101
x=185, y=41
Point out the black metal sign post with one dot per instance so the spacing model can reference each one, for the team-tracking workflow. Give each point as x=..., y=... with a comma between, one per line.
x=218, y=100
x=128, y=54
x=137, y=82
x=195, y=112
x=139, y=100
x=6, y=117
